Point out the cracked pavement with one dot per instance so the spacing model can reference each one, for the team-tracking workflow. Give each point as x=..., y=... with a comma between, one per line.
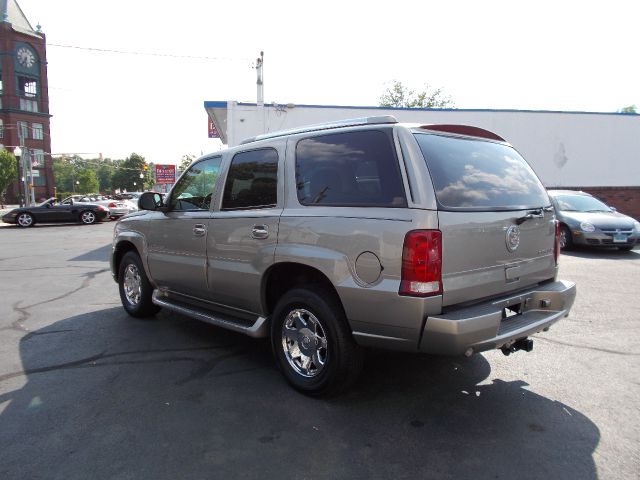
x=88, y=392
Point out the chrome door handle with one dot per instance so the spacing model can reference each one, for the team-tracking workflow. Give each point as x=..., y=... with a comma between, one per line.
x=199, y=229
x=260, y=231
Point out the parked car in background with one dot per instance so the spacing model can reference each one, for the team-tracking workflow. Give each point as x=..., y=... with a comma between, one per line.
x=585, y=220
x=116, y=208
x=51, y=211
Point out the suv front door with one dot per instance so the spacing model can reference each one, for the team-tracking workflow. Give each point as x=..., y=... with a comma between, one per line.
x=177, y=239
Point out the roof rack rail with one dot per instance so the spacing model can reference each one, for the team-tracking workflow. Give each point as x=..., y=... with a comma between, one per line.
x=352, y=122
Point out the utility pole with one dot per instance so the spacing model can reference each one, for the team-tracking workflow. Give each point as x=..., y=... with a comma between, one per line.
x=260, y=85
x=17, y=152
x=25, y=155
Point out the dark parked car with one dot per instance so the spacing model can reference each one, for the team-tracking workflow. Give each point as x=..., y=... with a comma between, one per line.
x=585, y=220
x=51, y=211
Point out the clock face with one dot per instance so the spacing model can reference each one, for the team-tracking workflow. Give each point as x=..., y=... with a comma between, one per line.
x=26, y=58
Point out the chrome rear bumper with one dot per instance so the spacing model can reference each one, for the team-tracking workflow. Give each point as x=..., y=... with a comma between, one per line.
x=485, y=326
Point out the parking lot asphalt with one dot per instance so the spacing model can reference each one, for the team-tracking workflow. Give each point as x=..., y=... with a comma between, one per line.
x=88, y=392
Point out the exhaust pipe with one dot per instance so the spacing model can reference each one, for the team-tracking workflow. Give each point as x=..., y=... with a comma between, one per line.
x=525, y=344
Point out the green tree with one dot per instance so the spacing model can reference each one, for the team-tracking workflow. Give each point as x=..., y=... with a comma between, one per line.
x=8, y=172
x=397, y=95
x=629, y=109
x=87, y=182
x=185, y=162
x=64, y=173
x=128, y=172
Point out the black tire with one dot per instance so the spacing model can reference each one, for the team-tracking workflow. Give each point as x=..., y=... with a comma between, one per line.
x=566, y=240
x=323, y=332
x=135, y=289
x=25, y=220
x=88, y=217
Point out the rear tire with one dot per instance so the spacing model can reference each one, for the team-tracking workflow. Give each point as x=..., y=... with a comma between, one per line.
x=312, y=342
x=566, y=240
x=135, y=288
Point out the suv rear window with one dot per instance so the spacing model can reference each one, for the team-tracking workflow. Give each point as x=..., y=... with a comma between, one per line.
x=349, y=169
x=472, y=174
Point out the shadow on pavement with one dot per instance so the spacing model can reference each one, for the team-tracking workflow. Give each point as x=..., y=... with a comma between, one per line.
x=97, y=255
x=107, y=396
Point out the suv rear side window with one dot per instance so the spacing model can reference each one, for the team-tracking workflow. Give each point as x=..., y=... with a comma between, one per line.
x=471, y=174
x=349, y=169
x=252, y=181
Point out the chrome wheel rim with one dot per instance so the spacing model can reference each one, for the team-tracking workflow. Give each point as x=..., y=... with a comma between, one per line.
x=88, y=217
x=132, y=284
x=304, y=343
x=563, y=238
x=25, y=220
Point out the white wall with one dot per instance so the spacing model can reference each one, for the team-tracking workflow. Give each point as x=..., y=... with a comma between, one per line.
x=565, y=149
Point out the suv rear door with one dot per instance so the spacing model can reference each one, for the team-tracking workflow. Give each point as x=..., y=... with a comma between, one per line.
x=243, y=232
x=498, y=230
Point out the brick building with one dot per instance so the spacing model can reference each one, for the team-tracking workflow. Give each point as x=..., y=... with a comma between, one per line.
x=24, y=100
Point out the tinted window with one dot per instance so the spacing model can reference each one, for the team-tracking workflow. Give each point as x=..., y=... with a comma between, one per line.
x=252, y=181
x=195, y=188
x=354, y=168
x=477, y=174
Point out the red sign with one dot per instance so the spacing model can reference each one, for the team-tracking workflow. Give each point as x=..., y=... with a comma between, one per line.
x=213, y=133
x=165, y=174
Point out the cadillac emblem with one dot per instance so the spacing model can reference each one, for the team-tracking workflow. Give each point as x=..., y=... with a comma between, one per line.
x=513, y=238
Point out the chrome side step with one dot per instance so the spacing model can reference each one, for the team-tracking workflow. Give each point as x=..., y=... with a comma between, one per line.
x=257, y=330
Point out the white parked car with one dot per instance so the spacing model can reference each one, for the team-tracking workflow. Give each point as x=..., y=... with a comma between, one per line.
x=117, y=208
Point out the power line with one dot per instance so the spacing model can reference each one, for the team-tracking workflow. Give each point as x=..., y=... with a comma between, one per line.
x=150, y=54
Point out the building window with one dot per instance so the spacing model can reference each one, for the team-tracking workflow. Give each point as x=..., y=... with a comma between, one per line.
x=1, y=128
x=36, y=130
x=37, y=159
x=27, y=87
x=23, y=130
x=39, y=180
x=28, y=93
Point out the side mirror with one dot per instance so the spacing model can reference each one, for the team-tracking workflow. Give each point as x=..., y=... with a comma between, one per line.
x=150, y=201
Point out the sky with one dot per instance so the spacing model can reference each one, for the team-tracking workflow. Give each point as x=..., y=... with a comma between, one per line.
x=543, y=55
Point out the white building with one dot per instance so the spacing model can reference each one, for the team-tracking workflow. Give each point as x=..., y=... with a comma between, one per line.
x=595, y=152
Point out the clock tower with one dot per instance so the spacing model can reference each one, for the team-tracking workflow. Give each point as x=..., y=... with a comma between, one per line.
x=24, y=102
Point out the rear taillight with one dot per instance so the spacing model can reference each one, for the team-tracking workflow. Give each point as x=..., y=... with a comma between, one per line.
x=422, y=263
x=112, y=205
x=556, y=246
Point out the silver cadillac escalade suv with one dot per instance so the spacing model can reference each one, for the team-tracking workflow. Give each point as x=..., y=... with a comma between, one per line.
x=362, y=233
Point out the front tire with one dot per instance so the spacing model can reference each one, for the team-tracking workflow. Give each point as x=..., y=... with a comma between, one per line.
x=312, y=342
x=135, y=288
x=566, y=240
x=25, y=220
x=88, y=217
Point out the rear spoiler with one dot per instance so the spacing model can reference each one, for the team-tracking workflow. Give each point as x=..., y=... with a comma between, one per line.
x=464, y=130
